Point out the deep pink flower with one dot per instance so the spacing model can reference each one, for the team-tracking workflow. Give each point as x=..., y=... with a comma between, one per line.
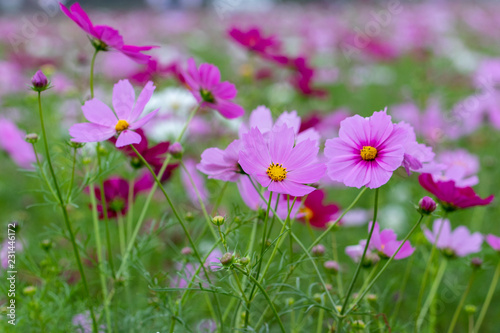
x=426, y=205
x=493, y=241
x=451, y=196
x=104, y=123
x=116, y=194
x=104, y=36
x=367, y=151
x=12, y=141
x=154, y=70
x=204, y=83
x=303, y=76
x=254, y=40
x=386, y=243
x=222, y=164
x=154, y=155
x=316, y=213
x=280, y=165
x=459, y=242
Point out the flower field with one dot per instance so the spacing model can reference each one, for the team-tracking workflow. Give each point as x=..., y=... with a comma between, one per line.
x=291, y=167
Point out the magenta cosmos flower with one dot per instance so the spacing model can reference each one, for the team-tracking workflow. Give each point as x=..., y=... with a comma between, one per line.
x=493, y=241
x=105, y=123
x=457, y=243
x=280, y=165
x=386, y=244
x=104, y=36
x=204, y=83
x=316, y=213
x=450, y=196
x=367, y=151
x=254, y=40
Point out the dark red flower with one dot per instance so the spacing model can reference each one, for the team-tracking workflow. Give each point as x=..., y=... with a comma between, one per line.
x=450, y=196
x=154, y=70
x=116, y=194
x=302, y=79
x=316, y=212
x=155, y=156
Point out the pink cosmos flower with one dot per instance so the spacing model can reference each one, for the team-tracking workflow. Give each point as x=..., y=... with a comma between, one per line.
x=105, y=123
x=459, y=242
x=12, y=141
x=367, y=151
x=493, y=241
x=460, y=166
x=451, y=196
x=204, y=83
x=386, y=244
x=356, y=252
x=417, y=157
x=104, y=36
x=222, y=164
x=316, y=213
x=280, y=165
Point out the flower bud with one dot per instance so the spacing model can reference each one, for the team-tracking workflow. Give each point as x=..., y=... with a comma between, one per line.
x=227, y=259
x=358, y=324
x=31, y=138
x=176, y=150
x=318, y=250
x=371, y=298
x=290, y=301
x=29, y=291
x=470, y=309
x=426, y=206
x=331, y=266
x=187, y=251
x=76, y=145
x=244, y=261
x=317, y=298
x=218, y=220
x=476, y=262
x=39, y=81
x=46, y=244
x=189, y=216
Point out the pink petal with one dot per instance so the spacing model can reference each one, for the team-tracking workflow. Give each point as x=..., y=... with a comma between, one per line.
x=123, y=99
x=308, y=174
x=281, y=144
x=302, y=154
x=291, y=188
x=127, y=138
x=262, y=119
x=228, y=109
x=139, y=123
x=142, y=100
x=99, y=113
x=209, y=76
x=90, y=132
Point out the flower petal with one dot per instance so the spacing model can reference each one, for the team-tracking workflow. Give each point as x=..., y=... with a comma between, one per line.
x=123, y=99
x=97, y=112
x=90, y=132
x=127, y=138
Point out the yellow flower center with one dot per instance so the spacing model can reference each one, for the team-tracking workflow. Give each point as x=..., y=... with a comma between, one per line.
x=368, y=153
x=276, y=172
x=121, y=125
x=308, y=213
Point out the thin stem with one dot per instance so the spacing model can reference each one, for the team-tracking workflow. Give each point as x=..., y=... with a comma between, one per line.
x=219, y=199
x=409, y=265
x=121, y=233
x=65, y=215
x=461, y=303
x=256, y=283
x=336, y=258
x=130, y=213
x=487, y=301
x=43, y=174
x=367, y=289
x=91, y=78
x=72, y=176
x=358, y=268
x=100, y=258
x=432, y=293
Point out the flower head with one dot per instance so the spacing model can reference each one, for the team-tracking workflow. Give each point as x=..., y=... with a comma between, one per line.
x=105, y=123
x=426, y=205
x=316, y=213
x=451, y=196
x=386, y=244
x=281, y=165
x=367, y=151
x=253, y=40
x=459, y=242
x=39, y=81
x=204, y=83
x=105, y=37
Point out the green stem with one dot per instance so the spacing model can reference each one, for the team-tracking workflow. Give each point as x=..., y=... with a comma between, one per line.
x=487, y=301
x=263, y=291
x=72, y=176
x=367, y=289
x=432, y=293
x=64, y=210
x=121, y=233
x=91, y=79
x=100, y=259
x=130, y=213
x=336, y=258
x=461, y=303
x=43, y=174
x=409, y=265
x=219, y=199
x=358, y=268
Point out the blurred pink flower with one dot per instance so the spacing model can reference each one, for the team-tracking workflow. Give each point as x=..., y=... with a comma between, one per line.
x=253, y=40
x=105, y=123
x=367, y=151
x=386, y=243
x=204, y=83
x=459, y=242
x=280, y=165
x=105, y=36
x=417, y=156
x=460, y=166
x=493, y=241
x=12, y=141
